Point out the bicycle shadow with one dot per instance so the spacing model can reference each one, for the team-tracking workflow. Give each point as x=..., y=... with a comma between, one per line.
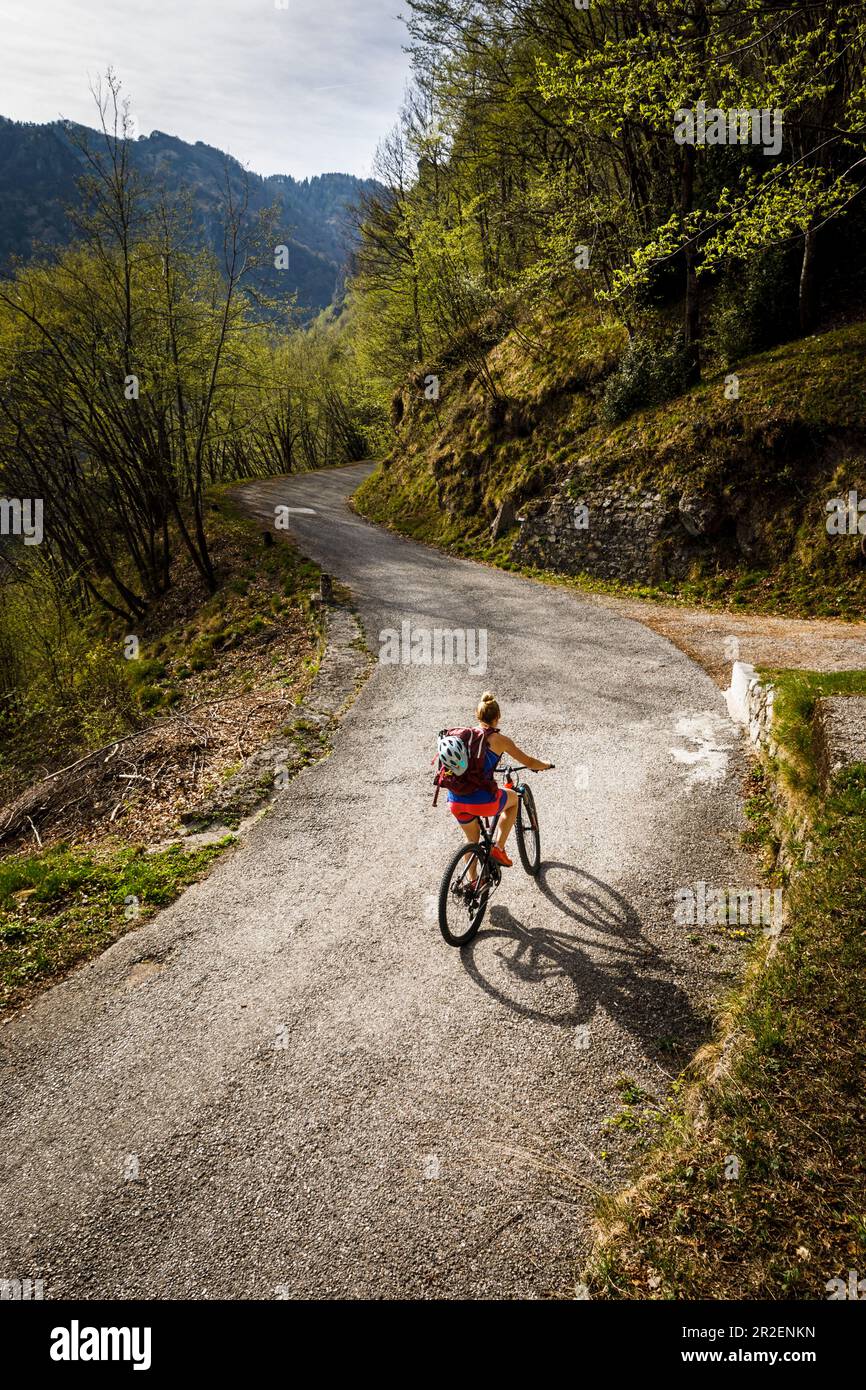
x=604, y=960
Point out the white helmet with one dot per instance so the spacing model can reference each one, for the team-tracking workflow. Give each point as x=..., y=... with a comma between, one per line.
x=452, y=754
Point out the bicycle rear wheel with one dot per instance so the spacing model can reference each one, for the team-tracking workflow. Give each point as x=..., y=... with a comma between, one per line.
x=463, y=895
x=528, y=834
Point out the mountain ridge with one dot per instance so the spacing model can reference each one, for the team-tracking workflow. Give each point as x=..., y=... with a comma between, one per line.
x=40, y=166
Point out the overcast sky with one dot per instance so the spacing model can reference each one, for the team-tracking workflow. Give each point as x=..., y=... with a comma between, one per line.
x=306, y=89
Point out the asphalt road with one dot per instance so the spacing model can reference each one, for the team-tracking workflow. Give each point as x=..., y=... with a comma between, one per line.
x=309, y=1094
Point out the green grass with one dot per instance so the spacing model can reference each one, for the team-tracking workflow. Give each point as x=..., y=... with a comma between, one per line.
x=64, y=905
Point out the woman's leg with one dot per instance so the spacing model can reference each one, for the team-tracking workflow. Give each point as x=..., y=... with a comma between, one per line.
x=507, y=819
x=472, y=830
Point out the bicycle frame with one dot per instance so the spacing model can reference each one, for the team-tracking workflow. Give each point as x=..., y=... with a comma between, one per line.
x=486, y=826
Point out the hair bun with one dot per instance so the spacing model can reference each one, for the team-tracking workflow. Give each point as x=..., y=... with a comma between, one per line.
x=488, y=708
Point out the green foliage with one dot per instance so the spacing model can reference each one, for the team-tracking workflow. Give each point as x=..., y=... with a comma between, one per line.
x=66, y=686
x=625, y=83
x=753, y=308
x=63, y=682
x=142, y=672
x=136, y=371
x=538, y=135
x=648, y=374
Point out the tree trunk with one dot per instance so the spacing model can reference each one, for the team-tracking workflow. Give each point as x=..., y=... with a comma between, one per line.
x=692, y=315
x=808, y=283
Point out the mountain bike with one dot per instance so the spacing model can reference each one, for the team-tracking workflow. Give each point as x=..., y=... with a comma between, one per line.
x=473, y=875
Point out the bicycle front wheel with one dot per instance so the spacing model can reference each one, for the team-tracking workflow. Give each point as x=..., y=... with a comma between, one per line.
x=528, y=835
x=463, y=895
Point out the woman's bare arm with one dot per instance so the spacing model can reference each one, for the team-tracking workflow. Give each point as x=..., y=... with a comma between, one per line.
x=500, y=743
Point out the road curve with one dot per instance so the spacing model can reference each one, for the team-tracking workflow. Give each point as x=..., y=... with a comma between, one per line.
x=320, y=1098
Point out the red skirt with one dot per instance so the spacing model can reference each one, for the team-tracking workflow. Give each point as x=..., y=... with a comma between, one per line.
x=466, y=811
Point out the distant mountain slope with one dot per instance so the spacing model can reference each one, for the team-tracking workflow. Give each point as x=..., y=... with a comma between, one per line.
x=39, y=166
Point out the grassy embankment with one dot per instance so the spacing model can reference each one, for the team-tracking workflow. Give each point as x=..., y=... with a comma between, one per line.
x=756, y=1187
x=259, y=635
x=795, y=438
x=61, y=906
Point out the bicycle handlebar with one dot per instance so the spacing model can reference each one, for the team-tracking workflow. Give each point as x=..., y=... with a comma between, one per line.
x=506, y=771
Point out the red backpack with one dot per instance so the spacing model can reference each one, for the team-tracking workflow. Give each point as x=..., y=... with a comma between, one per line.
x=475, y=777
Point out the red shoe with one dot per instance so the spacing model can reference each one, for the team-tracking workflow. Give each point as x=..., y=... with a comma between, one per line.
x=501, y=857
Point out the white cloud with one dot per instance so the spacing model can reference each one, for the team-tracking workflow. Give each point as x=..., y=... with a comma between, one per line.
x=301, y=91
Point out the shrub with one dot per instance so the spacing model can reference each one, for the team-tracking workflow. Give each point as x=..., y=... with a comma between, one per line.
x=144, y=672
x=649, y=373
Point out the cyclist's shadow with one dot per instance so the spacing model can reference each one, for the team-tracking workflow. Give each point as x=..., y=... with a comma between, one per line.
x=606, y=960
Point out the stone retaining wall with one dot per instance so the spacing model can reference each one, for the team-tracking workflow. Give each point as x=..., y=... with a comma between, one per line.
x=627, y=534
x=840, y=734
x=643, y=535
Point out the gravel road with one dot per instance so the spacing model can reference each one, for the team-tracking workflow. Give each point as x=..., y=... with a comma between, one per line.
x=287, y=1085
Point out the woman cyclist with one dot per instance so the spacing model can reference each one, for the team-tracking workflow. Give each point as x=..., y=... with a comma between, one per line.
x=469, y=807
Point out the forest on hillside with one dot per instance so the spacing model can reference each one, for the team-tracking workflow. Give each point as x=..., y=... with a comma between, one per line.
x=546, y=150
x=41, y=167
x=635, y=194
x=141, y=366
x=621, y=262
